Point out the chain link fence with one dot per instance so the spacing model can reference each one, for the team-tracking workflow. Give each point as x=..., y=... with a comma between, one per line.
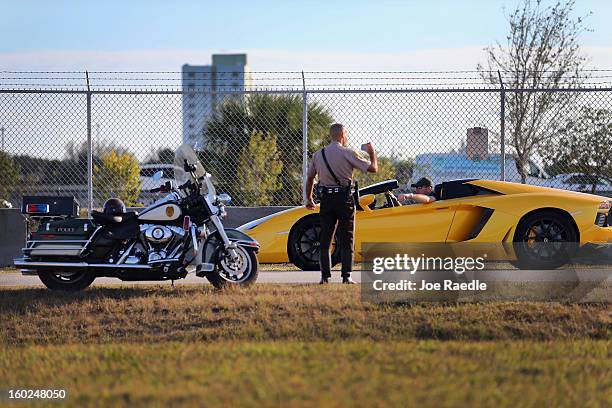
x=97, y=143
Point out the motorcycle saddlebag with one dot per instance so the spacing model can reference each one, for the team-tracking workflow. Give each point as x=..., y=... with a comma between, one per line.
x=65, y=237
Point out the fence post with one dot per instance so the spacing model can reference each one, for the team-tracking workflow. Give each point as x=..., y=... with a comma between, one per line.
x=304, y=136
x=502, y=128
x=89, y=152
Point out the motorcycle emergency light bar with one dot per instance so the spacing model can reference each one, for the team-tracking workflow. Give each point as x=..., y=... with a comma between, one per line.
x=37, y=208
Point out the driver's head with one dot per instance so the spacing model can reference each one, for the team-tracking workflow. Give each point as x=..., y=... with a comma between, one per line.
x=338, y=134
x=423, y=186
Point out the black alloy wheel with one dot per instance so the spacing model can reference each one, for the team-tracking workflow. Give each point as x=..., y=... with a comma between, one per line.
x=545, y=240
x=304, y=245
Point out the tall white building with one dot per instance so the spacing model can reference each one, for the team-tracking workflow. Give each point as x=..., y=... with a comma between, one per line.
x=201, y=84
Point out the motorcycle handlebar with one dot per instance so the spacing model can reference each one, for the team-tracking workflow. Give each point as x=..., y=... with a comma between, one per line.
x=162, y=189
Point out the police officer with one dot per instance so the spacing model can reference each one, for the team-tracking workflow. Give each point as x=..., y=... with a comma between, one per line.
x=334, y=165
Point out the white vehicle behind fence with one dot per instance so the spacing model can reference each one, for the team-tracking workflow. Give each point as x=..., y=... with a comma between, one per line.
x=148, y=170
x=582, y=182
x=455, y=166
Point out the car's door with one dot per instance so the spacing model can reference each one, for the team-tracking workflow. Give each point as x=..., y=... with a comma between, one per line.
x=407, y=223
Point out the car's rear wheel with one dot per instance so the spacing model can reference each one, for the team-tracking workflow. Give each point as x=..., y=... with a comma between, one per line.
x=69, y=281
x=304, y=245
x=545, y=240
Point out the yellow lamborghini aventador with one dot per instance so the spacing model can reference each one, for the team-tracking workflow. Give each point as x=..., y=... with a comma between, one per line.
x=482, y=211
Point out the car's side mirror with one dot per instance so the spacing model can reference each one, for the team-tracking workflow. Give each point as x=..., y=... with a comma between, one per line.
x=158, y=175
x=366, y=200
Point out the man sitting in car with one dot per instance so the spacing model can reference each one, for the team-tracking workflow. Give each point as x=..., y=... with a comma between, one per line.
x=424, y=192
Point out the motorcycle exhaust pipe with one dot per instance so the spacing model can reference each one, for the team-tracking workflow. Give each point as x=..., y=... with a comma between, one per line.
x=76, y=265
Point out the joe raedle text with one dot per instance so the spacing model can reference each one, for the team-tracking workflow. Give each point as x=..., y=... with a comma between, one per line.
x=423, y=285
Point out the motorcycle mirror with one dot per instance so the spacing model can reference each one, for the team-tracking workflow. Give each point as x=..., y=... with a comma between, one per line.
x=224, y=198
x=158, y=175
x=189, y=167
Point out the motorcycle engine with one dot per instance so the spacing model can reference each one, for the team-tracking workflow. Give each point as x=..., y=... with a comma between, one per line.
x=158, y=234
x=163, y=241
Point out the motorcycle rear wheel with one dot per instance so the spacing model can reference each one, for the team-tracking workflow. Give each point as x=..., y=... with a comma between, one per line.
x=78, y=280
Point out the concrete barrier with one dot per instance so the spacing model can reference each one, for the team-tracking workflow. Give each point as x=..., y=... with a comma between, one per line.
x=12, y=227
x=12, y=235
x=236, y=216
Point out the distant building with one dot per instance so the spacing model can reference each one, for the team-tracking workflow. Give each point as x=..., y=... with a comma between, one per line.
x=477, y=144
x=202, y=91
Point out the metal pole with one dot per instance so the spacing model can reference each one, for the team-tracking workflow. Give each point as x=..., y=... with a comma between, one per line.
x=89, y=151
x=2, y=131
x=304, y=135
x=502, y=127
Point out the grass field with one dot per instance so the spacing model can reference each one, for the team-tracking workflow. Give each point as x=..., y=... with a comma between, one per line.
x=300, y=345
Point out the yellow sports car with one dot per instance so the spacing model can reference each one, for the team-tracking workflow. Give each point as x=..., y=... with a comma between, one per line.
x=480, y=211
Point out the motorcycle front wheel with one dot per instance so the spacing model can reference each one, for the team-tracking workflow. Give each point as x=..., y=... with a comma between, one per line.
x=241, y=271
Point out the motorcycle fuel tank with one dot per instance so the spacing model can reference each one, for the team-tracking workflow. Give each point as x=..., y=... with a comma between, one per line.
x=161, y=213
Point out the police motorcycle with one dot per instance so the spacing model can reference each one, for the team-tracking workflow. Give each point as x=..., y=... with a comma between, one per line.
x=159, y=243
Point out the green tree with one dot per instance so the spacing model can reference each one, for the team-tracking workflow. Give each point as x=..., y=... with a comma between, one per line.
x=9, y=176
x=386, y=171
x=583, y=145
x=162, y=155
x=404, y=169
x=227, y=134
x=258, y=170
x=118, y=175
x=542, y=52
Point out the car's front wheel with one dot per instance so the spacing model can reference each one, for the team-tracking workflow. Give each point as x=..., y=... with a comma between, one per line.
x=304, y=245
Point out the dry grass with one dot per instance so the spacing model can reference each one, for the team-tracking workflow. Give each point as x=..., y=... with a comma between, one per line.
x=270, y=312
x=299, y=345
x=357, y=373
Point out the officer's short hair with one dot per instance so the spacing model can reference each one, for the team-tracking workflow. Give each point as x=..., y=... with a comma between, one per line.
x=335, y=130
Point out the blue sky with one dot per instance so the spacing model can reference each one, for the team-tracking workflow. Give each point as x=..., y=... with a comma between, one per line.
x=438, y=35
x=377, y=28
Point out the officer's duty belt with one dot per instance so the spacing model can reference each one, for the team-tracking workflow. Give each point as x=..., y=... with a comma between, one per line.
x=329, y=190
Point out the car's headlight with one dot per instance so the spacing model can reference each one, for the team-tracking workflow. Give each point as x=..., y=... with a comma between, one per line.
x=605, y=205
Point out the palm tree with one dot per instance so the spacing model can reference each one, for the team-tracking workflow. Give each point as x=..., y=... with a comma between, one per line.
x=228, y=134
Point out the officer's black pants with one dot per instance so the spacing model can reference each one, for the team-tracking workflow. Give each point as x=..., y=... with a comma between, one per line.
x=337, y=214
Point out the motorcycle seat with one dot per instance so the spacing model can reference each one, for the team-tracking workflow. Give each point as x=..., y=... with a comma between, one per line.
x=106, y=219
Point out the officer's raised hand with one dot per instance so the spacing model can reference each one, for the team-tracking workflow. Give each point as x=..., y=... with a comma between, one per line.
x=369, y=148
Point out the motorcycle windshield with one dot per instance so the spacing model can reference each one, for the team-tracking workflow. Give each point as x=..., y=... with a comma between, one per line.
x=186, y=153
